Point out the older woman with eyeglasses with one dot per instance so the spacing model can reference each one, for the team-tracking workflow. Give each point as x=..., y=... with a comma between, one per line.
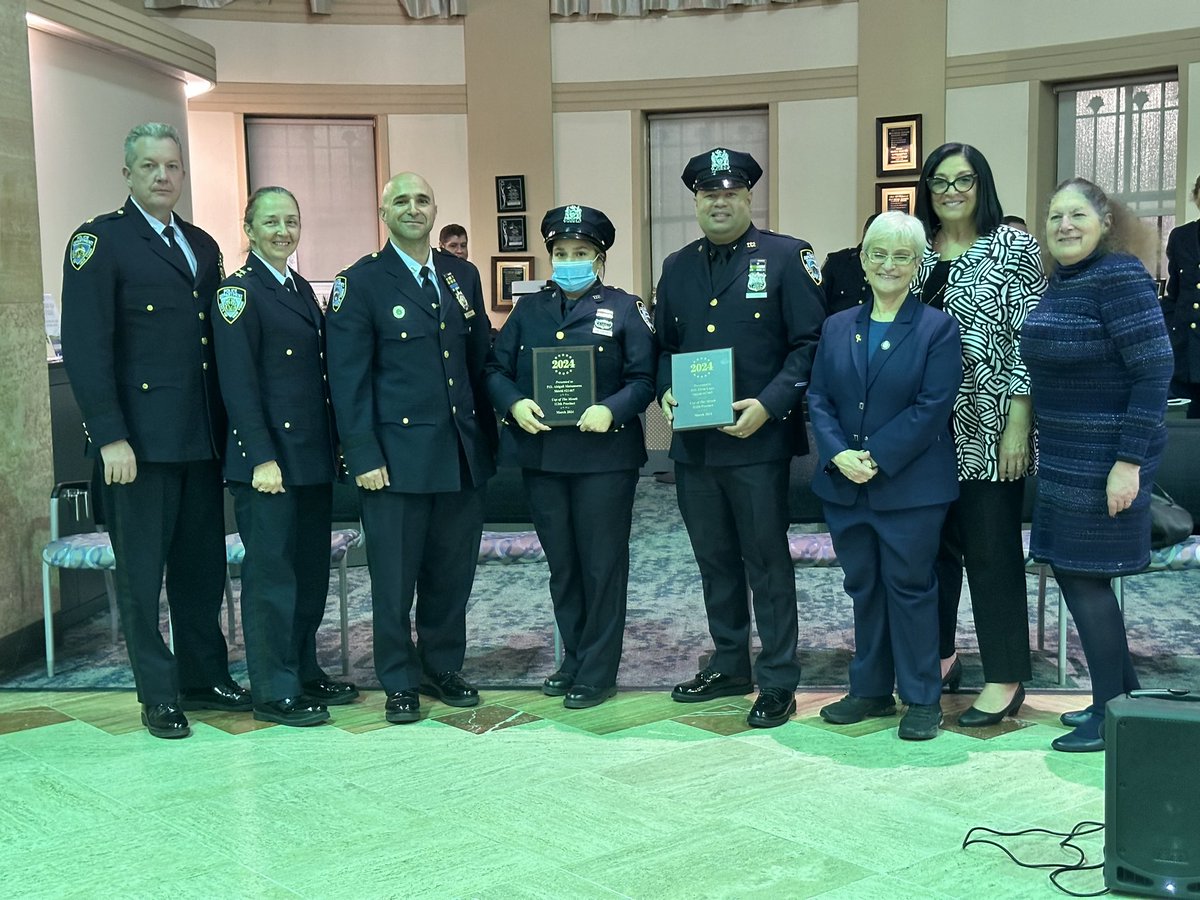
x=883, y=384
x=988, y=277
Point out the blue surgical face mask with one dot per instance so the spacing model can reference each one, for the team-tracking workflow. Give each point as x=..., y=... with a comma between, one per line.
x=573, y=275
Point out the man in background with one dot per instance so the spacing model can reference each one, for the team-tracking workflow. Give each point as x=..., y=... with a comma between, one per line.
x=453, y=239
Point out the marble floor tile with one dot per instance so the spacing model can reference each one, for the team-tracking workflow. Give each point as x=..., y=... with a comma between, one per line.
x=30, y=717
x=726, y=719
x=482, y=719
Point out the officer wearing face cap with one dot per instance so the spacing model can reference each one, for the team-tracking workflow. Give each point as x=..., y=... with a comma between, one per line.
x=579, y=476
x=759, y=293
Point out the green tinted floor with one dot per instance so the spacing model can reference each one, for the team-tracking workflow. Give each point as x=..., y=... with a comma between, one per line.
x=518, y=798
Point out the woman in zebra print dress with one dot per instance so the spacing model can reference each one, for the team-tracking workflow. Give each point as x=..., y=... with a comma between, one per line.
x=989, y=277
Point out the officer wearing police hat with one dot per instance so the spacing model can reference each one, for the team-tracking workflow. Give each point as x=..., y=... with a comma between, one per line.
x=759, y=293
x=580, y=476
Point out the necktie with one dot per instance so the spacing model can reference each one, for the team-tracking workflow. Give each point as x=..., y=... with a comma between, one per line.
x=290, y=285
x=175, y=252
x=428, y=287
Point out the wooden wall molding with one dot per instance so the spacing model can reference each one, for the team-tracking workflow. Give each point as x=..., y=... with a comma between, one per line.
x=334, y=99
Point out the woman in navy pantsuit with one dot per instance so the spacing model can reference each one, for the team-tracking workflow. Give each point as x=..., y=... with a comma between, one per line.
x=580, y=477
x=883, y=387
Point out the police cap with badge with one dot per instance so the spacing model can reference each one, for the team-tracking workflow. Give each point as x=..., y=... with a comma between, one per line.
x=721, y=169
x=581, y=222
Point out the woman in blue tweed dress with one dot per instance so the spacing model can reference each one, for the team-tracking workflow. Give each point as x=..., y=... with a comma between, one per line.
x=1100, y=364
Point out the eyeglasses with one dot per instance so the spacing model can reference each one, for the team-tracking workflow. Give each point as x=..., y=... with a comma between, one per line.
x=961, y=184
x=900, y=258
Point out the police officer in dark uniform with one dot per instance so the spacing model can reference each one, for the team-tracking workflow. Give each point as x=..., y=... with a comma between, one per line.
x=759, y=293
x=1181, y=308
x=137, y=344
x=408, y=339
x=842, y=277
x=280, y=462
x=580, y=476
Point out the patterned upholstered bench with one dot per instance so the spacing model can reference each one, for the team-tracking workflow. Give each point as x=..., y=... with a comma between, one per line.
x=812, y=550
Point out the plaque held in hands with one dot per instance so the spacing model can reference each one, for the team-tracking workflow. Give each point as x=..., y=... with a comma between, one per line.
x=564, y=383
x=702, y=384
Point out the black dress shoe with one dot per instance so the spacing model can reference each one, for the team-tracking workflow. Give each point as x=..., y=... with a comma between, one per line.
x=1076, y=717
x=582, y=696
x=225, y=697
x=921, y=722
x=558, y=684
x=773, y=707
x=977, y=718
x=165, y=720
x=953, y=677
x=330, y=692
x=402, y=706
x=1088, y=737
x=299, y=711
x=709, y=684
x=851, y=709
x=451, y=689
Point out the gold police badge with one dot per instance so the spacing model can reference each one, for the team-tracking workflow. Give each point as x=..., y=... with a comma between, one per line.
x=83, y=245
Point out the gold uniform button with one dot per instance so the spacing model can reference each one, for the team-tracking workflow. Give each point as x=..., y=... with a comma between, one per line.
x=600, y=349
x=450, y=382
x=195, y=296
x=1196, y=306
x=287, y=424
x=204, y=341
x=145, y=387
x=205, y=367
x=1193, y=324
x=322, y=356
x=712, y=328
x=149, y=307
x=712, y=302
x=758, y=315
x=403, y=334
x=405, y=420
x=454, y=410
x=445, y=354
x=443, y=326
x=434, y=305
x=559, y=335
x=289, y=351
x=201, y=316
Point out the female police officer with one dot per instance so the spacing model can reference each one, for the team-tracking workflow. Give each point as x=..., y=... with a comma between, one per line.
x=279, y=463
x=580, y=477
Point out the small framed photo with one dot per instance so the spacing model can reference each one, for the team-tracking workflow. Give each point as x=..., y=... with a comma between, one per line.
x=898, y=145
x=512, y=233
x=510, y=193
x=505, y=271
x=901, y=196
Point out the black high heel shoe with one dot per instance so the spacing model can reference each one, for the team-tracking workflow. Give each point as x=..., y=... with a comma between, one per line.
x=953, y=677
x=977, y=718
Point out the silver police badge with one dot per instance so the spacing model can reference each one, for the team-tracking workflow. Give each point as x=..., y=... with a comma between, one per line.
x=810, y=265
x=719, y=161
x=573, y=215
x=338, y=294
x=83, y=245
x=756, y=283
x=231, y=301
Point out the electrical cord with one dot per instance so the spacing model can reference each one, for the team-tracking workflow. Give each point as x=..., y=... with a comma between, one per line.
x=1082, y=829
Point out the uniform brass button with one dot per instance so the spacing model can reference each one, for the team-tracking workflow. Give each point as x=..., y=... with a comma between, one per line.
x=243, y=454
x=204, y=341
x=600, y=349
x=450, y=382
x=322, y=356
x=434, y=305
x=559, y=335
x=442, y=326
x=712, y=302
x=235, y=431
x=454, y=410
x=405, y=420
x=1193, y=324
x=205, y=367
x=201, y=315
x=758, y=315
x=289, y=351
x=149, y=307
x=712, y=328
x=145, y=387
x=445, y=354
x=287, y=424
x=862, y=406
x=404, y=334
x=1196, y=306
x=195, y=296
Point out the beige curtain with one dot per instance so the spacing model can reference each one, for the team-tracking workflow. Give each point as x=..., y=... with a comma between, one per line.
x=645, y=7
x=415, y=9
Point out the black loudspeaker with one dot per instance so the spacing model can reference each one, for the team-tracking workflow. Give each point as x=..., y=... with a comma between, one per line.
x=1152, y=794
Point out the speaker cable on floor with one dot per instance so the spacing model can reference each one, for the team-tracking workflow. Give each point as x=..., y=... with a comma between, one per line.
x=1082, y=829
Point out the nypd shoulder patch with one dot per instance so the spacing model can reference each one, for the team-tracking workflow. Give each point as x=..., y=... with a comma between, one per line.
x=645, y=314
x=810, y=265
x=231, y=301
x=338, y=294
x=83, y=245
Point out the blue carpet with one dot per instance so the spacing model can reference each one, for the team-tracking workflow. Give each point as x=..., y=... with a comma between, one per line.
x=510, y=624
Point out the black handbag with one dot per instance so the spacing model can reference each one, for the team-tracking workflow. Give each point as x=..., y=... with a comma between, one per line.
x=1170, y=523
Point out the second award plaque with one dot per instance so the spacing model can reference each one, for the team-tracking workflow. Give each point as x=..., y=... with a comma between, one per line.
x=702, y=383
x=564, y=382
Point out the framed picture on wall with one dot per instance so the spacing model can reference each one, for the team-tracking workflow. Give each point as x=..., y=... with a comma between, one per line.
x=506, y=270
x=510, y=193
x=901, y=196
x=898, y=145
x=511, y=233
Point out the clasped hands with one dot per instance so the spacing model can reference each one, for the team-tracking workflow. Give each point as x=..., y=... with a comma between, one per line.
x=596, y=418
x=856, y=465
